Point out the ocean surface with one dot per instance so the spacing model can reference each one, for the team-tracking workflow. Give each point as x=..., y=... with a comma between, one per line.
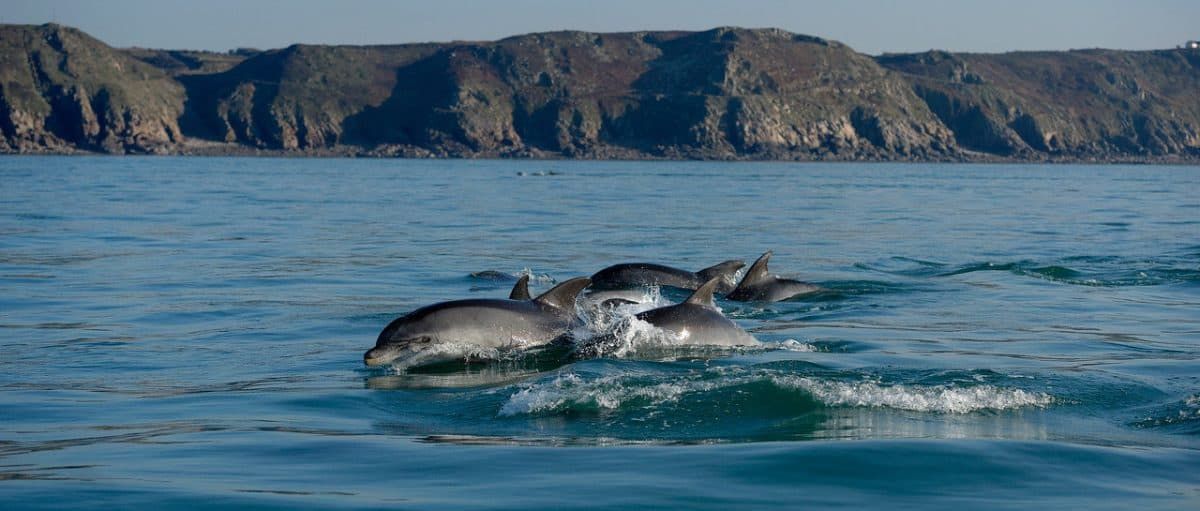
x=187, y=333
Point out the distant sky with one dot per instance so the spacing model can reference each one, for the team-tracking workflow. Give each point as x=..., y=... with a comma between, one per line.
x=868, y=26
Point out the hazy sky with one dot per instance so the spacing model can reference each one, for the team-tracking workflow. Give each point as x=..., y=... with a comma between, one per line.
x=868, y=26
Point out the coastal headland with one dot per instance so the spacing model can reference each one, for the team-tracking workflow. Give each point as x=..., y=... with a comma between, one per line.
x=725, y=93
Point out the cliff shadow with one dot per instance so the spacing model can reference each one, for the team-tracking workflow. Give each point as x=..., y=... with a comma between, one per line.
x=416, y=112
x=671, y=106
x=234, y=106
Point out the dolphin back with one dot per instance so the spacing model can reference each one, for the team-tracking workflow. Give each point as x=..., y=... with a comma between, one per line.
x=627, y=275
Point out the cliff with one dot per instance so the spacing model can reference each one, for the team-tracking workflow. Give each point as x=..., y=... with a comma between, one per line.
x=1099, y=104
x=724, y=93
x=63, y=91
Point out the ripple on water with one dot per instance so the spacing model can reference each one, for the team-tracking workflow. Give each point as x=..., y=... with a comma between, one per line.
x=1096, y=271
x=1182, y=417
x=186, y=331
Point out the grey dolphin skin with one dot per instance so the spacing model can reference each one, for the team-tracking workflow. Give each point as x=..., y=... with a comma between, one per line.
x=520, y=290
x=648, y=274
x=699, y=321
x=760, y=286
x=484, y=323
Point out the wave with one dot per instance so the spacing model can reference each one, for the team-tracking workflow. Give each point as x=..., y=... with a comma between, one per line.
x=1082, y=270
x=574, y=393
x=1109, y=272
x=937, y=398
x=1182, y=416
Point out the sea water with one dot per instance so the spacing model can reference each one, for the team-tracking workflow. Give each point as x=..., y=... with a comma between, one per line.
x=188, y=333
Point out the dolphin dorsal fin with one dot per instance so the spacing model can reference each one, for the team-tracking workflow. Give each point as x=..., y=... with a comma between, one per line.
x=704, y=295
x=563, y=295
x=520, y=291
x=757, y=271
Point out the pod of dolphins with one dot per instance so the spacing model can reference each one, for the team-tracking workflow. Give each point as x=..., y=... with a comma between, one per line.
x=523, y=321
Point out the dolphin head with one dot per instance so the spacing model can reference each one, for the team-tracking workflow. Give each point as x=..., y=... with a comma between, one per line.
x=401, y=338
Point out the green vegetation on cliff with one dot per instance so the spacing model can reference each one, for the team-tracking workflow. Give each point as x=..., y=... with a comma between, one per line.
x=722, y=93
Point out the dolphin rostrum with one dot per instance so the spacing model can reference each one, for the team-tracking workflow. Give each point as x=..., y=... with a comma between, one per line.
x=698, y=321
x=760, y=286
x=451, y=330
x=648, y=274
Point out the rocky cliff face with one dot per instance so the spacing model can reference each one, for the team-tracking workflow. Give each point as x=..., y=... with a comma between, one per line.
x=62, y=91
x=723, y=93
x=1079, y=104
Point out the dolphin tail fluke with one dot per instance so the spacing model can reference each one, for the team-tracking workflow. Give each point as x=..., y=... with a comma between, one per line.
x=563, y=295
x=520, y=291
x=704, y=295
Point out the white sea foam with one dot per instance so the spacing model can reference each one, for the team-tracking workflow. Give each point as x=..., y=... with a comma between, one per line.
x=615, y=331
x=797, y=346
x=605, y=393
x=570, y=390
x=1191, y=407
x=626, y=336
x=920, y=398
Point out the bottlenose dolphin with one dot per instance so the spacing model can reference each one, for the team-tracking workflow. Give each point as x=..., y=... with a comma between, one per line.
x=647, y=274
x=448, y=330
x=520, y=290
x=698, y=320
x=759, y=286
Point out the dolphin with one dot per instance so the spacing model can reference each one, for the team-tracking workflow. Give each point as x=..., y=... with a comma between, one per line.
x=455, y=329
x=520, y=290
x=648, y=274
x=698, y=321
x=759, y=286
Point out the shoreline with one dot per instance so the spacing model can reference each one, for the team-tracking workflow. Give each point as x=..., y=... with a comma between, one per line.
x=359, y=153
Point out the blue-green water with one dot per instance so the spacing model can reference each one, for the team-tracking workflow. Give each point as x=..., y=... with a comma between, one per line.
x=188, y=333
